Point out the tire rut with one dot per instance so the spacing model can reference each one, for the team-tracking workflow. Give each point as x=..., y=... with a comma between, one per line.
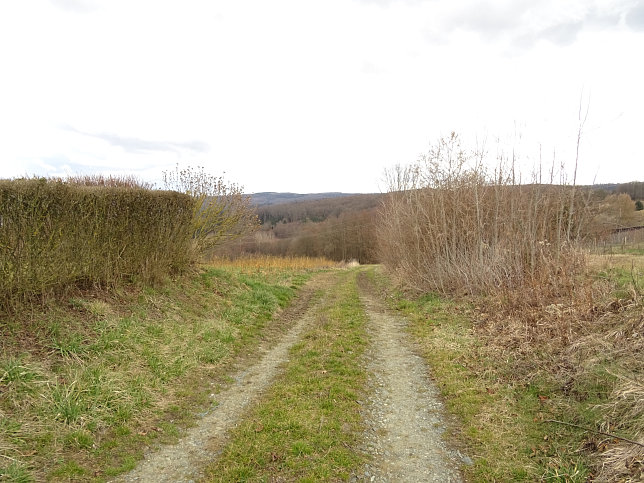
x=404, y=414
x=186, y=460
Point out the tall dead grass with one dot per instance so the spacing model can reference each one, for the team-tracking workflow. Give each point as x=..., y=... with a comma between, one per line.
x=106, y=181
x=263, y=262
x=450, y=225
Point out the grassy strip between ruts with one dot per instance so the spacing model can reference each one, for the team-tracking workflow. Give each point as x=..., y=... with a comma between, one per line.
x=87, y=383
x=307, y=426
x=507, y=394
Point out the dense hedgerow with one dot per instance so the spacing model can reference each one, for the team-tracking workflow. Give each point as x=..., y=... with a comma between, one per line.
x=56, y=233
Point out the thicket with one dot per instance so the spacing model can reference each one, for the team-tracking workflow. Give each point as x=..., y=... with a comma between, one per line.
x=55, y=233
x=449, y=224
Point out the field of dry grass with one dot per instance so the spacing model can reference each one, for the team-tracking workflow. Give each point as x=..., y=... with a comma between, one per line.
x=268, y=262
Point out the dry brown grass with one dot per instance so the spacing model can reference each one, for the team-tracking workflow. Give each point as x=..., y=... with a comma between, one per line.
x=589, y=348
x=623, y=343
x=624, y=261
x=256, y=262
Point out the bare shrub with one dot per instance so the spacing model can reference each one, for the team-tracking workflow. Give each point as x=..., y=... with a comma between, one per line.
x=450, y=225
x=222, y=212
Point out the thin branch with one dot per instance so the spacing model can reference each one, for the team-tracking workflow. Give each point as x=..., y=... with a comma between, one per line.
x=610, y=435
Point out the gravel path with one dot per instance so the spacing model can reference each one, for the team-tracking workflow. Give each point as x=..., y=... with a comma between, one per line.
x=404, y=414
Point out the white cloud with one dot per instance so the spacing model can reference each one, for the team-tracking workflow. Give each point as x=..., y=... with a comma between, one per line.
x=76, y=6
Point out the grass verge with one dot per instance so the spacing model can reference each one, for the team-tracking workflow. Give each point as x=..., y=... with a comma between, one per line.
x=307, y=426
x=89, y=382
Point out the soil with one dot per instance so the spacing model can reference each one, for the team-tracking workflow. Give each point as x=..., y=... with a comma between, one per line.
x=403, y=413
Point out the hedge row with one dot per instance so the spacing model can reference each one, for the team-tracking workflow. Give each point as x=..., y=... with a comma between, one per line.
x=54, y=234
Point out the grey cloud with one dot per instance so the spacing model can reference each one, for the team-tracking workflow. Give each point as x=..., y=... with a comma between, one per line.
x=488, y=19
x=138, y=145
x=514, y=21
x=370, y=68
x=562, y=34
x=387, y=3
x=382, y=3
x=635, y=17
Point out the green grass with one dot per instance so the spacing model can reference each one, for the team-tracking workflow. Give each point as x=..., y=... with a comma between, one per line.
x=307, y=426
x=87, y=383
x=14, y=372
x=15, y=473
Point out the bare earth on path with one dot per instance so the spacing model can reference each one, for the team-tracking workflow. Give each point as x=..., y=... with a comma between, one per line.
x=404, y=412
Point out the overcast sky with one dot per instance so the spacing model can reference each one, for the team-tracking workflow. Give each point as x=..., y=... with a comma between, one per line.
x=311, y=96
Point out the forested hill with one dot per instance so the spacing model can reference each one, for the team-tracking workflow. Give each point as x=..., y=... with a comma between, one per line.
x=273, y=198
x=315, y=209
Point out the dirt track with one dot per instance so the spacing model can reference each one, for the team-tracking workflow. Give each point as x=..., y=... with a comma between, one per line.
x=403, y=413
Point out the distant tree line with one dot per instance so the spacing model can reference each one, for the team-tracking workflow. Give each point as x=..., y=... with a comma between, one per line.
x=348, y=236
x=352, y=227
x=315, y=210
x=635, y=189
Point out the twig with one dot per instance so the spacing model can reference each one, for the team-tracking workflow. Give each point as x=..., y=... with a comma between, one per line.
x=610, y=435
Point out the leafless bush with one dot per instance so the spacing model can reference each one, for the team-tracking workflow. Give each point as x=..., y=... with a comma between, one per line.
x=449, y=224
x=221, y=211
